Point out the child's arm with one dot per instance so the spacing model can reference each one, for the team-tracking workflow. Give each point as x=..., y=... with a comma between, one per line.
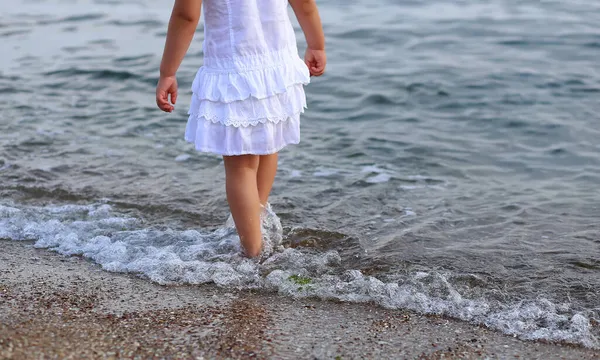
x=182, y=26
x=308, y=16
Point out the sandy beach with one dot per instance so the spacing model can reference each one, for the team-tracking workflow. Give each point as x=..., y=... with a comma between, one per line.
x=57, y=307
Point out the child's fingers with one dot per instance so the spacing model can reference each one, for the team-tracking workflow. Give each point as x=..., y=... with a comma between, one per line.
x=166, y=107
x=162, y=102
x=313, y=68
x=174, y=97
x=160, y=98
x=308, y=63
x=317, y=69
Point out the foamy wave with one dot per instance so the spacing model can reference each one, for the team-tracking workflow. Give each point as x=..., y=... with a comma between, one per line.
x=121, y=244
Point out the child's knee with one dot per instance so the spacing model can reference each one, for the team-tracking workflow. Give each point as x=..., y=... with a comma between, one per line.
x=241, y=162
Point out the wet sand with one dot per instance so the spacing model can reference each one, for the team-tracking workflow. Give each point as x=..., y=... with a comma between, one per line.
x=57, y=307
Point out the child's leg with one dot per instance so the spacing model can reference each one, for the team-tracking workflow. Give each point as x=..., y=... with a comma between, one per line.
x=242, y=195
x=267, y=168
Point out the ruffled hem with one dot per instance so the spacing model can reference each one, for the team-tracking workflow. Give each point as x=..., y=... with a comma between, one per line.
x=252, y=111
x=227, y=86
x=263, y=139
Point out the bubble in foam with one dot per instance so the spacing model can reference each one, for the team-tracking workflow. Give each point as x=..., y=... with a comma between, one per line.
x=100, y=212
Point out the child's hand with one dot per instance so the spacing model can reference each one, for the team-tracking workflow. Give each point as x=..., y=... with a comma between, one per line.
x=316, y=60
x=167, y=85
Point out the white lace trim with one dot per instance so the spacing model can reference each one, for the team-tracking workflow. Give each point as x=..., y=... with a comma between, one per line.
x=246, y=123
x=252, y=111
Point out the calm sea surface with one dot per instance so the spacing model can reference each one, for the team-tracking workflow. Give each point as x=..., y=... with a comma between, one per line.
x=450, y=159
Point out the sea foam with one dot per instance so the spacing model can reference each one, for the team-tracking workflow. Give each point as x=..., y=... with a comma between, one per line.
x=120, y=243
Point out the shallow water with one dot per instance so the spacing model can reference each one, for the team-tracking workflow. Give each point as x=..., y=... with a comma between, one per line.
x=450, y=155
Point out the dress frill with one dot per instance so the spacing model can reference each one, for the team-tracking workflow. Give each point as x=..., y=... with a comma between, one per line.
x=256, y=111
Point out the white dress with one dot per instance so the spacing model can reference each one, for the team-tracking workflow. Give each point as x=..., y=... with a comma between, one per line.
x=249, y=94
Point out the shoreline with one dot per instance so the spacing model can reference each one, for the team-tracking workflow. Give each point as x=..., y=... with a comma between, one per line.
x=58, y=306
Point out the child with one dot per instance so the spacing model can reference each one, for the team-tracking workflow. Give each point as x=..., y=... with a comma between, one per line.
x=248, y=96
